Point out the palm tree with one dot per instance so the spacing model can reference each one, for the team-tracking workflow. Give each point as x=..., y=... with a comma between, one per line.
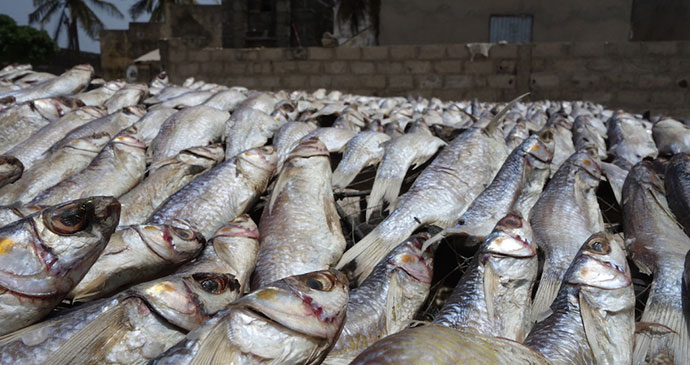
x=73, y=12
x=154, y=7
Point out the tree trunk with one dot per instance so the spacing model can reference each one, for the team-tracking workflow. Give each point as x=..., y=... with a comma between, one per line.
x=73, y=35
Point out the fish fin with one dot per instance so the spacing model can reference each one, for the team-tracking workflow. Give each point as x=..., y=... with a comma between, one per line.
x=215, y=348
x=375, y=246
x=384, y=190
x=604, y=349
x=493, y=124
x=279, y=185
x=332, y=217
x=549, y=283
x=341, y=179
x=87, y=345
x=663, y=331
x=394, y=300
x=490, y=287
x=93, y=289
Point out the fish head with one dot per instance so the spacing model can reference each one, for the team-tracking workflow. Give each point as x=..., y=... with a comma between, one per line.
x=47, y=253
x=511, y=237
x=644, y=173
x=285, y=110
x=187, y=300
x=91, y=112
x=409, y=258
x=539, y=148
x=264, y=158
x=309, y=147
x=136, y=111
x=206, y=156
x=600, y=263
x=93, y=143
x=585, y=161
x=84, y=68
x=175, y=242
x=54, y=108
x=312, y=304
x=11, y=169
x=237, y=245
x=127, y=142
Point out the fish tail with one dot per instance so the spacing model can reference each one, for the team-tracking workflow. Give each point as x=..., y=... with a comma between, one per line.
x=376, y=245
x=385, y=189
x=342, y=179
x=668, y=336
x=549, y=283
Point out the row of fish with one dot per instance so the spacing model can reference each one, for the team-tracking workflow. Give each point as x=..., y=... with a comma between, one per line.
x=128, y=227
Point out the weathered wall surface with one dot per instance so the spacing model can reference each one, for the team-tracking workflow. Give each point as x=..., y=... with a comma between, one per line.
x=407, y=21
x=633, y=75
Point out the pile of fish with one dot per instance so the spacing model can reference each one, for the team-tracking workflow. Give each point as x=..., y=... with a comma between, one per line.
x=207, y=224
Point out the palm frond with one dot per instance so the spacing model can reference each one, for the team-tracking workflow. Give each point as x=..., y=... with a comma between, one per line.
x=140, y=7
x=44, y=11
x=107, y=8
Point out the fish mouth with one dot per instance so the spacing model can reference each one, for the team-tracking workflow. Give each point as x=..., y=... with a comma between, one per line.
x=84, y=67
x=237, y=230
x=523, y=248
x=130, y=140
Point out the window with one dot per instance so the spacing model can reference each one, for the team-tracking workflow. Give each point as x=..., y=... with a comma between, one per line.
x=510, y=28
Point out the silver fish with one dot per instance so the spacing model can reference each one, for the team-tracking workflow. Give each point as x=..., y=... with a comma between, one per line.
x=248, y=128
x=288, y=137
x=220, y=194
x=671, y=136
x=335, y=139
x=135, y=254
x=586, y=133
x=195, y=126
x=499, y=281
x=615, y=175
x=132, y=327
x=300, y=228
x=233, y=249
x=11, y=170
x=401, y=153
x=146, y=128
x=129, y=95
x=517, y=135
x=188, y=99
x=32, y=148
x=116, y=169
x=164, y=179
x=629, y=140
x=565, y=215
x=563, y=137
x=364, y=149
x=515, y=188
x=68, y=83
x=110, y=124
x=100, y=95
x=45, y=254
x=386, y=301
x=53, y=168
x=304, y=314
x=226, y=100
x=593, y=320
x=263, y=102
x=436, y=344
x=439, y=196
x=658, y=246
x=677, y=184
x=166, y=93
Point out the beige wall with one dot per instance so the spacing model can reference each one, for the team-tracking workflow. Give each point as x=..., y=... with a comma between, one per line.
x=635, y=76
x=455, y=21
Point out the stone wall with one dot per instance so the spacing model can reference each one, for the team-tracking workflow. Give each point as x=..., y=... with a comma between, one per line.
x=636, y=76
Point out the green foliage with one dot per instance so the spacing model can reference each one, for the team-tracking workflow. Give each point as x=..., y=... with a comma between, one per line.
x=24, y=44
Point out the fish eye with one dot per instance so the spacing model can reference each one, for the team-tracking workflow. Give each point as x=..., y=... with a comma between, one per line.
x=185, y=234
x=546, y=136
x=216, y=283
x=69, y=219
x=511, y=222
x=599, y=246
x=266, y=149
x=320, y=282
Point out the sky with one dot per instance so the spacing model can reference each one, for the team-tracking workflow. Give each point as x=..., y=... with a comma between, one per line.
x=19, y=10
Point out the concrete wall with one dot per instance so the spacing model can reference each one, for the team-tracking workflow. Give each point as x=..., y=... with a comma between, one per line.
x=631, y=75
x=120, y=47
x=408, y=21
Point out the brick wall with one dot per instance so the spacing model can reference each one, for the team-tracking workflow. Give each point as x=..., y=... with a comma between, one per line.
x=636, y=76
